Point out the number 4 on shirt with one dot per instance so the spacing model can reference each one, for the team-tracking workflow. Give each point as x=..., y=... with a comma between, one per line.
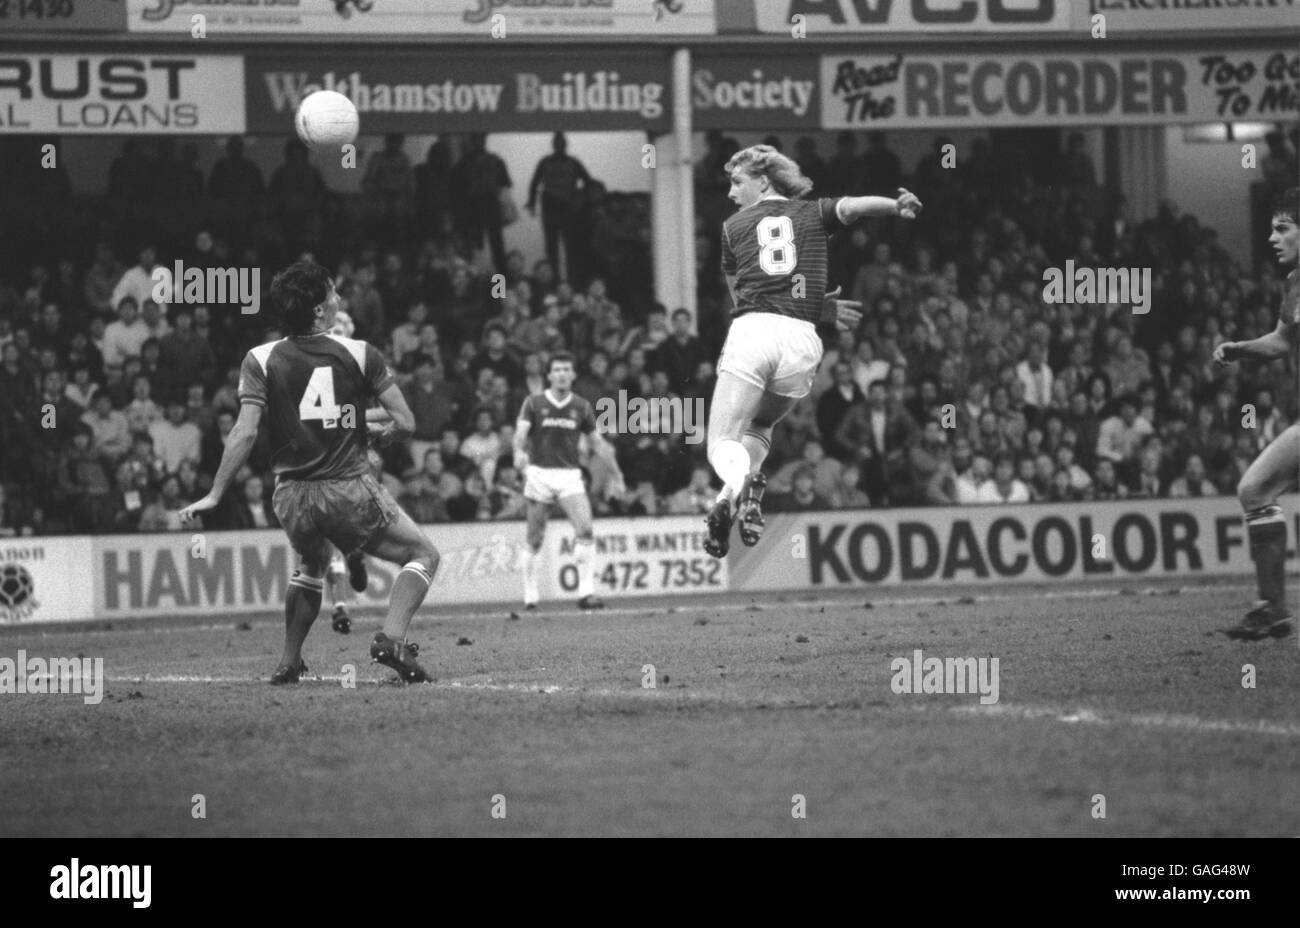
x=318, y=400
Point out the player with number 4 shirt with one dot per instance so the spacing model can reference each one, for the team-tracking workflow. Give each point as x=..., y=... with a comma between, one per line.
x=774, y=257
x=314, y=388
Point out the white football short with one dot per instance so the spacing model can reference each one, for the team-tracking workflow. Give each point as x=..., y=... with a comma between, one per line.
x=776, y=353
x=548, y=484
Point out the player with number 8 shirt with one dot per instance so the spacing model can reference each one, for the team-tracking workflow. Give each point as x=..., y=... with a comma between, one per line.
x=774, y=258
x=314, y=388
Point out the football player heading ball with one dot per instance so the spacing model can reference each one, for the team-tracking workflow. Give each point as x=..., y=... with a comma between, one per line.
x=774, y=256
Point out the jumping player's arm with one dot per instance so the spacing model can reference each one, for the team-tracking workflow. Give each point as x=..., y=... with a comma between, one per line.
x=523, y=426
x=851, y=209
x=1268, y=347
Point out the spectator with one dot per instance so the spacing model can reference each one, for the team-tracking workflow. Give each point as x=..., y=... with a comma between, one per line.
x=389, y=184
x=1004, y=487
x=881, y=167
x=184, y=357
x=433, y=190
x=561, y=178
x=495, y=356
x=142, y=412
x=1128, y=367
x=1121, y=436
x=101, y=279
x=125, y=337
x=110, y=432
x=878, y=439
x=452, y=459
x=845, y=170
x=826, y=472
x=141, y=281
x=81, y=391
x=406, y=338
x=506, y=501
x=420, y=494
x=14, y=521
x=162, y=514
x=296, y=197
x=802, y=496
x=175, y=439
x=1080, y=481
x=478, y=180
x=696, y=498
x=1192, y=482
x=214, y=442
x=84, y=484
x=1036, y=376
x=432, y=404
x=473, y=503
x=1147, y=483
x=249, y=508
x=237, y=191
x=1078, y=171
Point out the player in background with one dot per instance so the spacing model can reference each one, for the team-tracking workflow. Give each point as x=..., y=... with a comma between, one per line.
x=1277, y=469
x=774, y=257
x=546, y=453
x=344, y=572
x=314, y=388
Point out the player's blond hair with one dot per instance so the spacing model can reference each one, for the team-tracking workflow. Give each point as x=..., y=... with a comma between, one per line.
x=765, y=161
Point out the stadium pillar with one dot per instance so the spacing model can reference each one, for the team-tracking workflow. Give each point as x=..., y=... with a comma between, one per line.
x=673, y=199
x=1143, y=168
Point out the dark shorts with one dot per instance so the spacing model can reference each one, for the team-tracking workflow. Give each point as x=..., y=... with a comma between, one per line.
x=347, y=513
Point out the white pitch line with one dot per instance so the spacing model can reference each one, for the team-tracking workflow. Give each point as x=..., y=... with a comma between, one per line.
x=1157, y=720
x=543, y=688
x=1022, y=713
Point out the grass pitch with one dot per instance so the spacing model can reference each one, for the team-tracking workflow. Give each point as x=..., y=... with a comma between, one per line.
x=542, y=725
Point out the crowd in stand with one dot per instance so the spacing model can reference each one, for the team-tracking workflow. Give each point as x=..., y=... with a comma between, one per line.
x=962, y=384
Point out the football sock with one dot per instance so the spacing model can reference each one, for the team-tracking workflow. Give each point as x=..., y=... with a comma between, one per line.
x=409, y=590
x=730, y=462
x=757, y=442
x=583, y=552
x=301, y=605
x=1267, y=532
x=338, y=589
x=531, y=562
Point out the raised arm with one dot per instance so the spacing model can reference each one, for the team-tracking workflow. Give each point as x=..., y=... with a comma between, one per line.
x=851, y=209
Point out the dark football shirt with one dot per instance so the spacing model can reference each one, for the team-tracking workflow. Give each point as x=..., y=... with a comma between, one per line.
x=553, y=428
x=776, y=249
x=306, y=382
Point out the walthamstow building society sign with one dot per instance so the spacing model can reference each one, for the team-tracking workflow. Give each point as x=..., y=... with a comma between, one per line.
x=467, y=93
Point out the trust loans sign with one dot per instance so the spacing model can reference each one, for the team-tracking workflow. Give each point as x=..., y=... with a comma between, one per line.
x=121, y=94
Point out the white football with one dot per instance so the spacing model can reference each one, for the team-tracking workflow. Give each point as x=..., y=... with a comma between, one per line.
x=327, y=119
